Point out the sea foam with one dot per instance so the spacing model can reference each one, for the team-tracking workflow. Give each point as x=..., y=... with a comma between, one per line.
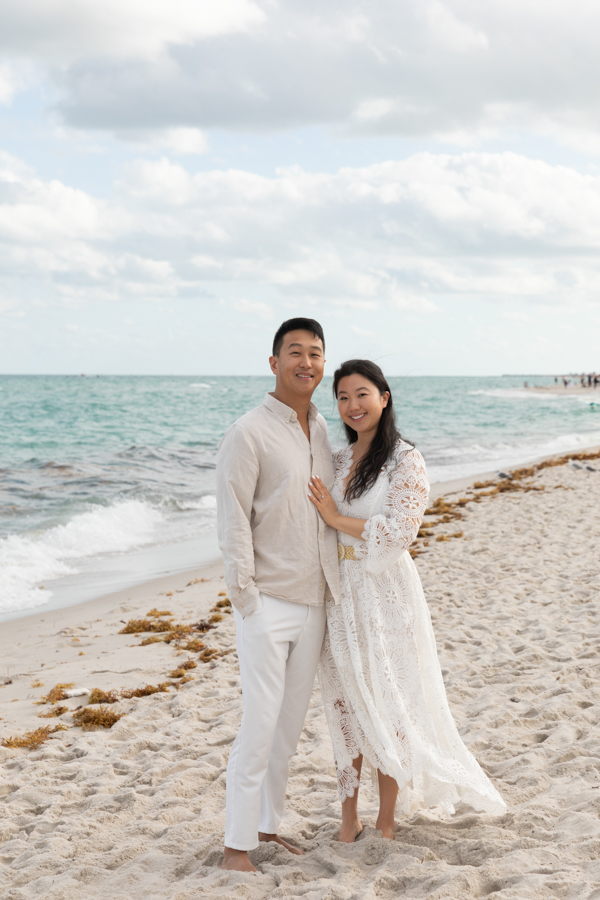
x=26, y=562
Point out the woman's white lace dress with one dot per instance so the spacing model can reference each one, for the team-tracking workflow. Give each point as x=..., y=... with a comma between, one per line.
x=380, y=676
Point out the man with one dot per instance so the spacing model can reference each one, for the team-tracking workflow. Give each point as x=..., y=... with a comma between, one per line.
x=280, y=565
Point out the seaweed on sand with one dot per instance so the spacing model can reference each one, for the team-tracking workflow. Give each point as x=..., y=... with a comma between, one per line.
x=57, y=693
x=103, y=717
x=137, y=626
x=146, y=691
x=157, y=613
x=181, y=670
x=97, y=695
x=153, y=639
x=203, y=626
x=54, y=712
x=194, y=646
x=31, y=740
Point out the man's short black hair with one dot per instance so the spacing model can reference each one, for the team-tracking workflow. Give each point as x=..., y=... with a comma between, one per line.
x=297, y=324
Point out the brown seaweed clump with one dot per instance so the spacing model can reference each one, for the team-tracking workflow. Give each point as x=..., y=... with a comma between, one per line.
x=194, y=646
x=181, y=671
x=224, y=605
x=447, y=537
x=54, y=712
x=153, y=639
x=146, y=691
x=97, y=695
x=157, y=613
x=203, y=626
x=31, y=740
x=103, y=717
x=137, y=626
x=57, y=693
x=178, y=633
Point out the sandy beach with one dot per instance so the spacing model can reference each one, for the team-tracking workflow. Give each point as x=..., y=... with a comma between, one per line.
x=511, y=570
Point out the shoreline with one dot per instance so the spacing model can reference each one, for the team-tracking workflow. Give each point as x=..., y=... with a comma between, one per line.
x=212, y=557
x=575, y=390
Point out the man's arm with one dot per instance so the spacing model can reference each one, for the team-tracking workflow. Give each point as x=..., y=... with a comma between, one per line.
x=237, y=474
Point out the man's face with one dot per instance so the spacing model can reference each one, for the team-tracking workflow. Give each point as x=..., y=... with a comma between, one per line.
x=300, y=364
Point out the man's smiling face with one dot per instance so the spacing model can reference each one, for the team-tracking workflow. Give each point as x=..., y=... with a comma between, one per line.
x=300, y=364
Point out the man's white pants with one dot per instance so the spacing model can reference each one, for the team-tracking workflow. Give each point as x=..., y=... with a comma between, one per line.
x=278, y=649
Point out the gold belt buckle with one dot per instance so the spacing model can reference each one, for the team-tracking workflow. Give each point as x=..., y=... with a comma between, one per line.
x=345, y=551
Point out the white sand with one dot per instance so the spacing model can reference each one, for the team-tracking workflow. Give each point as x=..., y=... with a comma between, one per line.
x=137, y=811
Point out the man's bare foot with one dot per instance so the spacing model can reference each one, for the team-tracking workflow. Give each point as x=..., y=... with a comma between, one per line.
x=279, y=840
x=386, y=830
x=350, y=831
x=237, y=861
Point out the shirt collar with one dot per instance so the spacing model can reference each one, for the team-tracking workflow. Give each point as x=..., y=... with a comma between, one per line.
x=286, y=412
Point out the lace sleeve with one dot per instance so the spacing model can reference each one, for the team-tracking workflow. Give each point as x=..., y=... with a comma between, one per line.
x=388, y=535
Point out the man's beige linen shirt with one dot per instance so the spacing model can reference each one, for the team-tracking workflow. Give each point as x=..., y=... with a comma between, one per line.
x=272, y=538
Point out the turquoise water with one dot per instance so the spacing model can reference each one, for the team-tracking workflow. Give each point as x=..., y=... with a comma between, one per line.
x=94, y=470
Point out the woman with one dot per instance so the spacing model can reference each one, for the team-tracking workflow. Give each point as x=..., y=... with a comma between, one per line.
x=380, y=676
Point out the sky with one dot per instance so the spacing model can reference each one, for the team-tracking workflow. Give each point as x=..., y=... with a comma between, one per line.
x=179, y=176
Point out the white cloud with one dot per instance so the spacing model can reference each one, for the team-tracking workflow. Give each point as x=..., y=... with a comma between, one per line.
x=448, y=68
x=181, y=141
x=262, y=310
x=65, y=31
x=407, y=234
x=13, y=78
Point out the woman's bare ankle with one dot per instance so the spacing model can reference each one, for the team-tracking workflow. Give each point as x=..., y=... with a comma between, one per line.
x=350, y=830
x=386, y=828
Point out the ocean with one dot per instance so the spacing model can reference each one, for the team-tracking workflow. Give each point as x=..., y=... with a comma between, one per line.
x=110, y=481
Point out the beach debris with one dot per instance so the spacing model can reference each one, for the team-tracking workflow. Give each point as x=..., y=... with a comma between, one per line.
x=97, y=695
x=216, y=617
x=157, y=613
x=137, y=626
x=89, y=719
x=57, y=693
x=146, y=691
x=54, y=712
x=224, y=605
x=31, y=740
x=36, y=683
x=517, y=480
x=197, y=581
x=62, y=692
x=194, y=646
x=203, y=626
x=153, y=639
x=447, y=537
x=180, y=672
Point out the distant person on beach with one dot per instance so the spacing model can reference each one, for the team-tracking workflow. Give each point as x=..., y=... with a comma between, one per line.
x=280, y=567
x=381, y=681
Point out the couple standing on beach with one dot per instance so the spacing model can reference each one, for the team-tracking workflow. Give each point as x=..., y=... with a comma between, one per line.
x=317, y=570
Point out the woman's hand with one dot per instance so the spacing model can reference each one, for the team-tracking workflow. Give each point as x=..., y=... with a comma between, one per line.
x=323, y=500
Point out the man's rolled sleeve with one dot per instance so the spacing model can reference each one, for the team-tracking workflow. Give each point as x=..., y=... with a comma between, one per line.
x=237, y=474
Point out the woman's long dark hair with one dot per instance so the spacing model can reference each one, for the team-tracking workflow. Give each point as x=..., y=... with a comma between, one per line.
x=384, y=442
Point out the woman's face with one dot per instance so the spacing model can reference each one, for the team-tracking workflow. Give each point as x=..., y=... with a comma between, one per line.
x=360, y=404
